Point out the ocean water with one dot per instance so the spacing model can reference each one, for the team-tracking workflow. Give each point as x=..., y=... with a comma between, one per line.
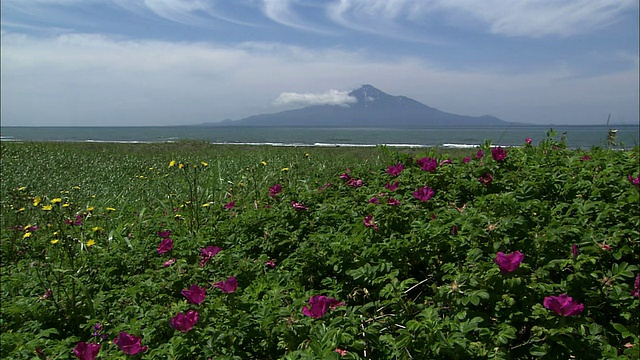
x=576, y=136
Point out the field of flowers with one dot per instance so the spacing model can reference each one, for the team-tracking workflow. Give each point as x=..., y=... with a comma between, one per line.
x=195, y=251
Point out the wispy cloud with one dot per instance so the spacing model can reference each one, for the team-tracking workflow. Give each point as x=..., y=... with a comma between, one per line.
x=331, y=97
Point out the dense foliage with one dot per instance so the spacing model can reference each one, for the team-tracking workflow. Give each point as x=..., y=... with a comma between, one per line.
x=192, y=251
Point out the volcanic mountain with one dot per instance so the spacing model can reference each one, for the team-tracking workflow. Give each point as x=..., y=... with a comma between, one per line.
x=373, y=108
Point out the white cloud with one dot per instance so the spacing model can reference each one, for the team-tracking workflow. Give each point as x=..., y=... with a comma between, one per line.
x=331, y=97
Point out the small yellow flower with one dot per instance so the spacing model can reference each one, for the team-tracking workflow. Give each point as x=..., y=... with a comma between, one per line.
x=97, y=228
x=263, y=163
x=141, y=176
x=178, y=216
x=47, y=207
x=65, y=205
x=54, y=241
x=207, y=204
x=55, y=233
x=90, y=208
x=36, y=201
x=76, y=187
x=204, y=163
x=21, y=209
x=150, y=168
x=26, y=235
x=111, y=209
x=285, y=169
x=22, y=188
x=307, y=155
x=172, y=163
x=91, y=243
x=180, y=166
x=26, y=227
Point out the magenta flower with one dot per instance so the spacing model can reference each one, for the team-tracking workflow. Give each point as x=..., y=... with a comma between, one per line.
x=574, y=250
x=275, y=190
x=345, y=175
x=319, y=305
x=563, y=305
x=169, y=262
x=392, y=187
x=454, y=230
x=129, y=344
x=479, y=154
x=486, y=179
x=184, y=323
x=424, y=194
x=325, y=186
x=228, y=286
x=635, y=181
x=395, y=170
x=466, y=159
x=207, y=253
x=230, y=205
x=585, y=158
x=271, y=263
x=428, y=164
x=195, y=294
x=164, y=233
x=368, y=222
x=354, y=183
x=393, y=202
x=636, y=287
x=374, y=200
x=445, y=162
x=498, y=153
x=165, y=246
x=86, y=351
x=508, y=262
x=298, y=206
x=528, y=141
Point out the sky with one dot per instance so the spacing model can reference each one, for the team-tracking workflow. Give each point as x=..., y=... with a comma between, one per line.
x=180, y=62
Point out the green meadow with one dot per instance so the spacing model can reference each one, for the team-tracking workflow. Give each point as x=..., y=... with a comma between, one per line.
x=194, y=251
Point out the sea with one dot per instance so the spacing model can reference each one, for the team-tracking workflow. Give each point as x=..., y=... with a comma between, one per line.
x=576, y=136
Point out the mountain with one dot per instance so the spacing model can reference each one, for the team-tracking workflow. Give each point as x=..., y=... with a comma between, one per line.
x=374, y=108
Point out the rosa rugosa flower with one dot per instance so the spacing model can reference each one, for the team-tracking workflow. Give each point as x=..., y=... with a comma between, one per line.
x=86, y=351
x=319, y=305
x=165, y=246
x=498, y=153
x=508, y=262
x=395, y=170
x=195, y=294
x=424, y=193
x=563, y=305
x=129, y=344
x=428, y=164
x=228, y=286
x=184, y=322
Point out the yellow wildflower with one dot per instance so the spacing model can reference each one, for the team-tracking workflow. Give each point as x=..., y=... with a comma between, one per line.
x=141, y=176
x=97, y=228
x=180, y=166
x=54, y=241
x=204, y=163
x=150, y=168
x=47, y=207
x=36, y=201
x=307, y=155
x=21, y=209
x=26, y=227
x=26, y=235
x=91, y=243
x=263, y=163
x=172, y=163
x=55, y=233
x=111, y=209
x=207, y=204
x=285, y=169
x=65, y=205
x=76, y=187
x=22, y=188
x=90, y=208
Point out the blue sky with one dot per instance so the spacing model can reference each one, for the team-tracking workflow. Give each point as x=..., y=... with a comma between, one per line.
x=174, y=62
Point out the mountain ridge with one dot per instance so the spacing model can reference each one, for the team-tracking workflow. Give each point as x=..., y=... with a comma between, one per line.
x=374, y=108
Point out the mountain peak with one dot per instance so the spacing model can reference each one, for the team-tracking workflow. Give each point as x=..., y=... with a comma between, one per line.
x=368, y=95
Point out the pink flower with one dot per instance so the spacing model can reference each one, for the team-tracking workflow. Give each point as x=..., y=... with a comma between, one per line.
x=86, y=351
x=479, y=154
x=498, y=153
x=368, y=222
x=319, y=305
x=454, y=230
x=466, y=159
x=195, y=294
x=395, y=170
x=445, y=162
x=169, y=262
x=563, y=305
x=129, y=344
x=230, y=205
x=635, y=181
x=298, y=206
x=424, y=194
x=207, y=253
x=341, y=352
x=271, y=263
x=528, y=141
x=486, y=179
x=393, y=202
x=165, y=246
x=636, y=287
x=508, y=262
x=428, y=164
x=164, y=233
x=585, y=158
x=374, y=200
x=574, y=250
x=228, y=286
x=184, y=323
x=354, y=183
x=392, y=187
x=275, y=190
